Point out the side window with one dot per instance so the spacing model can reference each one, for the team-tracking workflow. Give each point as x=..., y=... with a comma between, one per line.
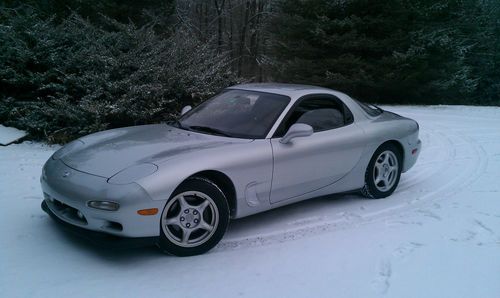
x=322, y=113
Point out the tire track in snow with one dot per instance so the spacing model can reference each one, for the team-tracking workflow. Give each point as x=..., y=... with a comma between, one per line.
x=382, y=282
x=430, y=168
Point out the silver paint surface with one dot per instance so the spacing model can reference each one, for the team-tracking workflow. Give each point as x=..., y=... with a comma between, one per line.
x=151, y=161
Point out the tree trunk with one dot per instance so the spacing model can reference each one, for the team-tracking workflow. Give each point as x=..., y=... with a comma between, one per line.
x=243, y=34
x=219, y=9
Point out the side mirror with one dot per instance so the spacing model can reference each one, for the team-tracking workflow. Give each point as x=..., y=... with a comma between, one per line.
x=185, y=110
x=295, y=131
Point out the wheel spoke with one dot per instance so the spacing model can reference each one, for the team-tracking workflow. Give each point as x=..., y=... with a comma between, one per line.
x=384, y=186
x=378, y=179
x=386, y=158
x=389, y=177
x=172, y=221
x=185, y=235
x=183, y=203
x=201, y=208
x=205, y=226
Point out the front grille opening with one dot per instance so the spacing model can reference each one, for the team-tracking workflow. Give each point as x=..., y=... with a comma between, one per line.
x=115, y=226
x=68, y=211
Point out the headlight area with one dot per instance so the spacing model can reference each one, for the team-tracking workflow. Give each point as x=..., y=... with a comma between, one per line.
x=133, y=173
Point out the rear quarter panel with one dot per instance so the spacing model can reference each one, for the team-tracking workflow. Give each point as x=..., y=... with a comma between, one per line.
x=391, y=127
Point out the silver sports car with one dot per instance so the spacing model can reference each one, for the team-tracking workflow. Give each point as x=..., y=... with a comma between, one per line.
x=251, y=148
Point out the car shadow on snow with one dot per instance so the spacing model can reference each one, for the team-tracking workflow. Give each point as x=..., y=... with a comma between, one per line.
x=111, y=254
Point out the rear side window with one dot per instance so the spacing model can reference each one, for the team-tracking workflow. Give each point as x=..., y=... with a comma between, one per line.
x=369, y=109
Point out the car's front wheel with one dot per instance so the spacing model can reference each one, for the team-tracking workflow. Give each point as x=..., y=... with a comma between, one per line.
x=194, y=219
x=383, y=172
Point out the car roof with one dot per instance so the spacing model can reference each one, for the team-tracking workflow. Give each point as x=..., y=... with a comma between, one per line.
x=291, y=90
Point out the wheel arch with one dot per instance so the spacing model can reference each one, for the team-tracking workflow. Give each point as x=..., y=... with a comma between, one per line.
x=224, y=183
x=398, y=145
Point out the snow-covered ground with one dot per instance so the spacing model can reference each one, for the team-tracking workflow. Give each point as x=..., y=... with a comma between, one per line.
x=438, y=235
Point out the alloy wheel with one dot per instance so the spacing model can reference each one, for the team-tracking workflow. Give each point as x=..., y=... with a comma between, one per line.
x=191, y=219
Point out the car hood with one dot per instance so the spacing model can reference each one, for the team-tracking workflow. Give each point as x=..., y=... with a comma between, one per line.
x=106, y=153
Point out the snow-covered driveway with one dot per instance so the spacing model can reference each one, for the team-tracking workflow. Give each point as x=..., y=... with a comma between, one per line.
x=438, y=235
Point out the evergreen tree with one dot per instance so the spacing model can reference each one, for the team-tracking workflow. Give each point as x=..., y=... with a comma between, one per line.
x=389, y=51
x=59, y=80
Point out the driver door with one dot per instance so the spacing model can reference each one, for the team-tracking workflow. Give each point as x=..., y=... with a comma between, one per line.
x=306, y=164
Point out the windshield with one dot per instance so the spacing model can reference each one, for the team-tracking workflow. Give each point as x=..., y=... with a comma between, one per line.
x=236, y=113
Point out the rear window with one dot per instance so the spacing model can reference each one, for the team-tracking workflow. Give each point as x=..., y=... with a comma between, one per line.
x=369, y=108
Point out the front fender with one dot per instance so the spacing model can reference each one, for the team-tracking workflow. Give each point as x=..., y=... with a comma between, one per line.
x=248, y=166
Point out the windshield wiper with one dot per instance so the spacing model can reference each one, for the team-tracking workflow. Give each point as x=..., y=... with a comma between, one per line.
x=209, y=130
x=175, y=123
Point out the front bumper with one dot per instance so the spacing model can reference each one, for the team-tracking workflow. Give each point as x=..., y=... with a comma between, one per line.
x=67, y=192
x=99, y=238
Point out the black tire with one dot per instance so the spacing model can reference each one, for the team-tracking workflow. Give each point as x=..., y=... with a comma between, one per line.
x=370, y=189
x=218, y=200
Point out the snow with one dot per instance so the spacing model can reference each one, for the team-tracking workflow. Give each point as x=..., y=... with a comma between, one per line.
x=438, y=235
x=10, y=134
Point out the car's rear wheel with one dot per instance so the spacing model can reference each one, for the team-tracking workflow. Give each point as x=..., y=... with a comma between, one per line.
x=194, y=219
x=383, y=172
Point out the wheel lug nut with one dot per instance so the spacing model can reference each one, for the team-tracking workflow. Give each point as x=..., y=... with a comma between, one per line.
x=196, y=221
x=182, y=218
x=186, y=211
x=188, y=225
x=195, y=212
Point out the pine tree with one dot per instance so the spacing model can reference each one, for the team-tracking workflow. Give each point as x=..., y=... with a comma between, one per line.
x=399, y=51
